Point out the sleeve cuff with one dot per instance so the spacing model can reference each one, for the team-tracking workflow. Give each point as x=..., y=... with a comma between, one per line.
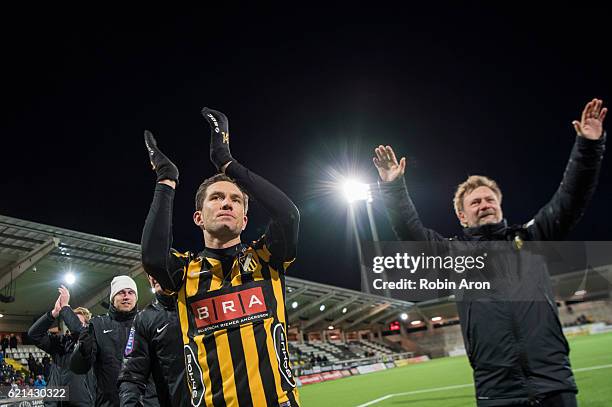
x=583, y=141
x=164, y=189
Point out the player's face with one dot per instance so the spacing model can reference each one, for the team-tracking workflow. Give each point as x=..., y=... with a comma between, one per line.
x=125, y=300
x=480, y=207
x=82, y=319
x=222, y=213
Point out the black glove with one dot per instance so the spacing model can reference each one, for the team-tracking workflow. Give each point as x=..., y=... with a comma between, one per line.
x=164, y=168
x=219, y=137
x=86, y=342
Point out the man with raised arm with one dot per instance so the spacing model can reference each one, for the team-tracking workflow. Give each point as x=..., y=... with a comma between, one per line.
x=516, y=347
x=60, y=346
x=231, y=294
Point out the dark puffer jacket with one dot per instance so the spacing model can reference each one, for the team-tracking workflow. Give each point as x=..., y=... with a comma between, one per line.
x=60, y=347
x=155, y=350
x=109, y=335
x=515, y=341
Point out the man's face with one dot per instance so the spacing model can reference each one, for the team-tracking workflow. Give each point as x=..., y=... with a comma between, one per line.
x=222, y=213
x=155, y=285
x=125, y=300
x=480, y=207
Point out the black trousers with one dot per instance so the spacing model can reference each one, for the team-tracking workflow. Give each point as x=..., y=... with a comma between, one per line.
x=565, y=399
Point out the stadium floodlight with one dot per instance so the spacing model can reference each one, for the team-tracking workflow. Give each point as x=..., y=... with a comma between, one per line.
x=330, y=327
x=404, y=316
x=1, y=315
x=417, y=322
x=436, y=319
x=357, y=191
x=294, y=304
x=581, y=289
x=344, y=310
x=322, y=307
x=69, y=278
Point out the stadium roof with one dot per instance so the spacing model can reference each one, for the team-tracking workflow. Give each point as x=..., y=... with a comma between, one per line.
x=34, y=259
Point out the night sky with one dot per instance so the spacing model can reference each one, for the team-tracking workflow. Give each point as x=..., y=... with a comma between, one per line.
x=457, y=91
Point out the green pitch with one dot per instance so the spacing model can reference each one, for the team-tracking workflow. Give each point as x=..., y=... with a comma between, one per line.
x=425, y=383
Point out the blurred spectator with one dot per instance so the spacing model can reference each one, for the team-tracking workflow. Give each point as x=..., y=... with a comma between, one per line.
x=38, y=368
x=31, y=363
x=5, y=343
x=46, y=362
x=13, y=341
x=581, y=320
x=40, y=382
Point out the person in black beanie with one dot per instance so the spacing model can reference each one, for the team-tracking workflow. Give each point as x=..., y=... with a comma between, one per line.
x=101, y=346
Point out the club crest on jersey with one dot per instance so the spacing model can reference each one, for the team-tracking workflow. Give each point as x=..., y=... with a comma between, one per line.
x=129, y=347
x=518, y=242
x=248, y=264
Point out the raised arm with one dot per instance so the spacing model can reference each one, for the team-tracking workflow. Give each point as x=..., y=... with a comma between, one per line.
x=577, y=187
x=402, y=213
x=39, y=334
x=66, y=313
x=158, y=259
x=282, y=233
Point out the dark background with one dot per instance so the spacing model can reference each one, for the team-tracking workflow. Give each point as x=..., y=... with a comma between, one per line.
x=309, y=94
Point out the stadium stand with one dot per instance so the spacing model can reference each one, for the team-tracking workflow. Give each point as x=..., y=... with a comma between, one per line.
x=22, y=352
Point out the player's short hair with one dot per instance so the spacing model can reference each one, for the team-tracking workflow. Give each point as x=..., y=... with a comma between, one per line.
x=83, y=311
x=470, y=184
x=203, y=188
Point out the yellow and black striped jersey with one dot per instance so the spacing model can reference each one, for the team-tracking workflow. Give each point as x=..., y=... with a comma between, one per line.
x=233, y=322
x=231, y=302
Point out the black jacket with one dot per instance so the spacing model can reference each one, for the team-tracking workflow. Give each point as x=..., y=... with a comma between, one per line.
x=156, y=350
x=110, y=334
x=516, y=348
x=60, y=347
